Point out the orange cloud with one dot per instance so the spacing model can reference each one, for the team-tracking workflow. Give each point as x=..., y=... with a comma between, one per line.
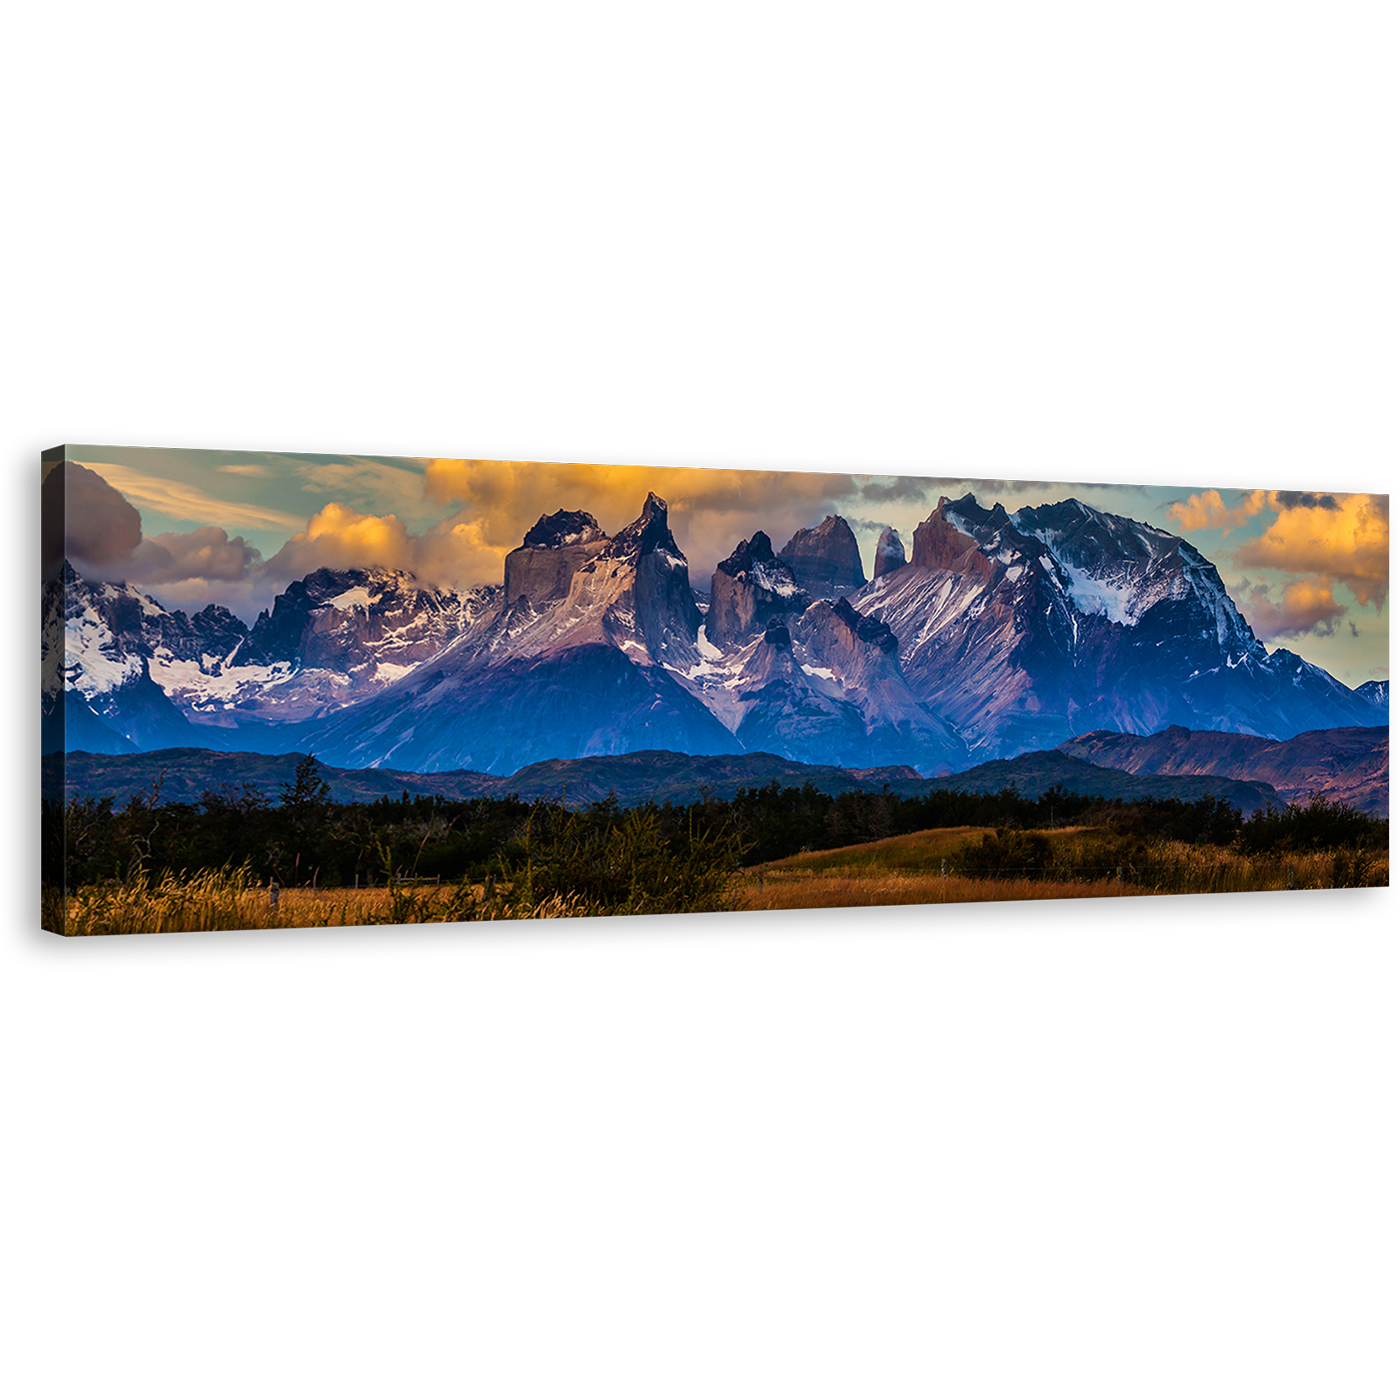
x=1342, y=539
x=498, y=501
x=1206, y=510
x=337, y=537
x=1308, y=605
x=710, y=510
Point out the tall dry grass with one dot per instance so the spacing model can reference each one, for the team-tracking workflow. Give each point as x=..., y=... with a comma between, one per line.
x=228, y=899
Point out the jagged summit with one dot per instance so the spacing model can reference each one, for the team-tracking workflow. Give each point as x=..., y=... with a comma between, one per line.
x=564, y=527
x=749, y=590
x=997, y=633
x=649, y=533
x=748, y=553
x=1027, y=628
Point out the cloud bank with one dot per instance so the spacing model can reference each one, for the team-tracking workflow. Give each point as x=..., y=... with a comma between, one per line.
x=1324, y=540
x=711, y=510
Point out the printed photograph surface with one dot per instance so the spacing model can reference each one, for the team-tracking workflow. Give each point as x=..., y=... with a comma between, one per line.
x=289, y=690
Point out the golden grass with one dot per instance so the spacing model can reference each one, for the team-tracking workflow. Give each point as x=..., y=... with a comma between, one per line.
x=1178, y=868
x=917, y=851
x=166, y=908
x=801, y=889
x=907, y=870
x=227, y=900
x=898, y=870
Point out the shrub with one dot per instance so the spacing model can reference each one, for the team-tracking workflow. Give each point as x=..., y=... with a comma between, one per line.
x=1321, y=824
x=1005, y=852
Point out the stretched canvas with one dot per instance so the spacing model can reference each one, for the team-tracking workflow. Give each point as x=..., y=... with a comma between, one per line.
x=285, y=689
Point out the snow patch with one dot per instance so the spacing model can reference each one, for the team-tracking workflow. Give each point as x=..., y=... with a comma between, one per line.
x=774, y=581
x=1094, y=595
x=352, y=598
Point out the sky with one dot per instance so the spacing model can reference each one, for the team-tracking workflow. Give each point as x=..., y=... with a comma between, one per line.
x=1309, y=570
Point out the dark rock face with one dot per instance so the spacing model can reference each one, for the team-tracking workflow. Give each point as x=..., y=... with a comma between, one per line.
x=824, y=684
x=647, y=534
x=563, y=528
x=865, y=629
x=748, y=590
x=889, y=552
x=142, y=712
x=664, y=602
x=749, y=553
x=825, y=559
x=71, y=724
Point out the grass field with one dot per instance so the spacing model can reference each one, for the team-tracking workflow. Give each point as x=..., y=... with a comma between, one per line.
x=224, y=900
x=910, y=870
x=920, y=868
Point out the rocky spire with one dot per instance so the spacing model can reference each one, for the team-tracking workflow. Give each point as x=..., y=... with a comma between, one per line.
x=889, y=552
x=940, y=544
x=825, y=559
x=749, y=590
x=647, y=533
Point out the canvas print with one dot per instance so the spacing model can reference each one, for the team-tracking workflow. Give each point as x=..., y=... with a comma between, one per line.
x=288, y=690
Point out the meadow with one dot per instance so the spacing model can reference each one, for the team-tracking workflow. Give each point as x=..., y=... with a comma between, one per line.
x=961, y=865
x=575, y=873
x=230, y=899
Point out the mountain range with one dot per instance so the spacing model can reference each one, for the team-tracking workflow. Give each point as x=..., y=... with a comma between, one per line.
x=996, y=634
x=186, y=775
x=1345, y=765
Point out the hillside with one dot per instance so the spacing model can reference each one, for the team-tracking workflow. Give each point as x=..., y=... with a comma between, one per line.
x=1350, y=765
x=184, y=775
x=1032, y=774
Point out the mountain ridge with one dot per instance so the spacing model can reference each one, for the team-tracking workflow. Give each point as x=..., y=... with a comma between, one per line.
x=1350, y=765
x=184, y=775
x=998, y=634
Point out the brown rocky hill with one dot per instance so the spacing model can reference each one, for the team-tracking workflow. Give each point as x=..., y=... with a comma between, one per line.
x=1351, y=765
